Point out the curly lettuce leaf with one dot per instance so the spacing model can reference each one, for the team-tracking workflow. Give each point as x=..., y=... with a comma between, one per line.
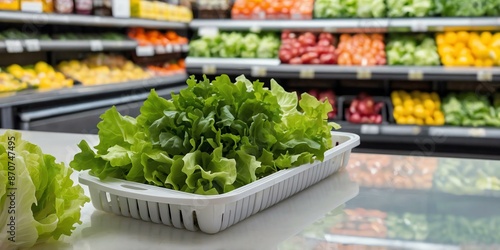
x=47, y=204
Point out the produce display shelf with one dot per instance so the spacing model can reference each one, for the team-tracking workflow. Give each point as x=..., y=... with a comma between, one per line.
x=392, y=243
x=72, y=45
x=86, y=20
x=341, y=25
x=256, y=69
x=33, y=45
x=408, y=133
x=26, y=97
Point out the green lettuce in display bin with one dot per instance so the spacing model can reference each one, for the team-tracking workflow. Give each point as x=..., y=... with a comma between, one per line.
x=211, y=138
x=349, y=8
x=37, y=198
x=236, y=45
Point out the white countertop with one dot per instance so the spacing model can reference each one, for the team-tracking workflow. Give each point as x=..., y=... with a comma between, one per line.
x=268, y=229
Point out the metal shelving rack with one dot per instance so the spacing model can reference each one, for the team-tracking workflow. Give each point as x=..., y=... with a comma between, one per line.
x=32, y=108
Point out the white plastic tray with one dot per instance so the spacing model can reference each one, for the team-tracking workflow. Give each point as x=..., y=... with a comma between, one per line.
x=214, y=213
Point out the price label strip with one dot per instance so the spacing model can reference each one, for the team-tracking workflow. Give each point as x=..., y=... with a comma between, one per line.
x=14, y=46
x=209, y=69
x=185, y=48
x=477, y=132
x=259, y=71
x=330, y=29
x=307, y=74
x=370, y=129
x=96, y=45
x=255, y=28
x=208, y=31
x=177, y=48
x=415, y=75
x=419, y=26
x=169, y=48
x=363, y=74
x=145, y=51
x=484, y=76
x=32, y=45
x=160, y=49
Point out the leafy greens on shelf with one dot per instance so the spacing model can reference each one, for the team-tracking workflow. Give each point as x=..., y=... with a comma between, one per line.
x=211, y=138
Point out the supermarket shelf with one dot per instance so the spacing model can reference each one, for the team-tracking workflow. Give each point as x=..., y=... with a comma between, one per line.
x=408, y=133
x=27, y=97
x=393, y=243
x=72, y=45
x=34, y=45
x=86, y=20
x=260, y=69
x=342, y=25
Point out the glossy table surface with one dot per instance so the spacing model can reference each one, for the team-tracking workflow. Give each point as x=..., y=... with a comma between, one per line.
x=376, y=202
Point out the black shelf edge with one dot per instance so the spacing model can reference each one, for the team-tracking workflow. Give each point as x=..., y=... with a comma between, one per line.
x=36, y=96
x=341, y=25
x=272, y=68
x=86, y=20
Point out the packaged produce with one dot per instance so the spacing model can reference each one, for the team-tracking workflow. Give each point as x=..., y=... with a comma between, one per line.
x=46, y=202
x=64, y=6
x=272, y=9
x=324, y=95
x=363, y=109
x=361, y=49
x=103, y=69
x=48, y=6
x=102, y=7
x=236, y=44
x=307, y=48
x=212, y=9
x=41, y=75
x=362, y=222
x=239, y=132
x=155, y=37
x=411, y=8
x=10, y=5
x=412, y=50
x=470, y=109
x=160, y=11
x=349, y=8
x=83, y=7
x=398, y=172
x=420, y=108
x=469, y=48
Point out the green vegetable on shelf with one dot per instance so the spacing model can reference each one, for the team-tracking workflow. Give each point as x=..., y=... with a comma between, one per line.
x=46, y=204
x=412, y=50
x=410, y=8
x=349, y=8
x=236, y=45
x=469, y=8
x=212, y=137
x=470, y=109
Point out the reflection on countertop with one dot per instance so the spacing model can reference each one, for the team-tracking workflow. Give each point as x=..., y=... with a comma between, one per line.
x=413, y=203
x=264, y=230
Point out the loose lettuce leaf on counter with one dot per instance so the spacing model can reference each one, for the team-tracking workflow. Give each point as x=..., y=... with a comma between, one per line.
x=46, y=204
x=212, y=137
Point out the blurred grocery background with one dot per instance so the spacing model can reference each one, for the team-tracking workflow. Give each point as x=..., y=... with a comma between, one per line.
x=411, y=77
